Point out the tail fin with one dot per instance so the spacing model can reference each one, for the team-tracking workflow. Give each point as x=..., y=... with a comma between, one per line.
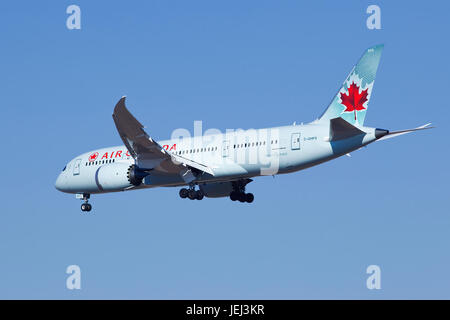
x=352, y=100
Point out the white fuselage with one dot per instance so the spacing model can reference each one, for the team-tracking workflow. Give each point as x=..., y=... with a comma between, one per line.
x=232, y=156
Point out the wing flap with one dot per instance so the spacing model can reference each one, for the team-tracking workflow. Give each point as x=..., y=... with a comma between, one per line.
x=192, y=163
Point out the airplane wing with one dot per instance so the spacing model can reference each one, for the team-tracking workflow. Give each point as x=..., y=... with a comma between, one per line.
x=147, y=152
x=393, y=134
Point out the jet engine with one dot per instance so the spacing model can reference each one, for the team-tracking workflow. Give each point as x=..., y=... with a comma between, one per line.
x=119, y=176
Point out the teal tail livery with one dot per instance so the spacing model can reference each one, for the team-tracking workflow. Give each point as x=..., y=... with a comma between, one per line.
x=352, y=100
x=223, y=164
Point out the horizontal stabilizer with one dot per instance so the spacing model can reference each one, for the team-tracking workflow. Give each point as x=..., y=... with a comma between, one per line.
x=341, y=129
x=393, y=134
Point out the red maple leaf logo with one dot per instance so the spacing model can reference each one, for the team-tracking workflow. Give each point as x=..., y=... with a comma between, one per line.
x=93, y=156
x=354, y=100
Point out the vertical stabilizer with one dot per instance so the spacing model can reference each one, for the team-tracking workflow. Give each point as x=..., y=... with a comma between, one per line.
x=352, y=100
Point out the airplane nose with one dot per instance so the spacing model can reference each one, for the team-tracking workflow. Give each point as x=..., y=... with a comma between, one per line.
x=59, y=183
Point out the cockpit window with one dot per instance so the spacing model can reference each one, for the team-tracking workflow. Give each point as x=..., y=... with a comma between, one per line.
x=64, y=168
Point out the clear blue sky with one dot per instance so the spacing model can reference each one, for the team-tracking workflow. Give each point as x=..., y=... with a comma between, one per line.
x=231, y=64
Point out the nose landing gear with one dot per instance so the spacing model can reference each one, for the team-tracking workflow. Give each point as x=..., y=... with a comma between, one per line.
x=86, y=207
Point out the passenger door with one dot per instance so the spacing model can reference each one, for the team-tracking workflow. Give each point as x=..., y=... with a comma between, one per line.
x=76, y=167
x=226, y=148
x=295, y=141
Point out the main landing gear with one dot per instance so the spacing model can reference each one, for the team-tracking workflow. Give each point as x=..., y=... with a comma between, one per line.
x=191, y=193
x=86, y=207
x=242, y=197
x=238, y=193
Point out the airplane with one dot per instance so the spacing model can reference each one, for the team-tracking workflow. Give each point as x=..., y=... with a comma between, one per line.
x=223, y=164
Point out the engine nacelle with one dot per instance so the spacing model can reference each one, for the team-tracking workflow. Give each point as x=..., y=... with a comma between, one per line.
x=217, y=189
x=118, y=176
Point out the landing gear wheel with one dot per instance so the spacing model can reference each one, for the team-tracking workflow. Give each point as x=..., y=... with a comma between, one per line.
x=184, y=193
x=234, y=196
x=192, y=194
x=199, y=195
x=86, y=207
x=238, y=193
